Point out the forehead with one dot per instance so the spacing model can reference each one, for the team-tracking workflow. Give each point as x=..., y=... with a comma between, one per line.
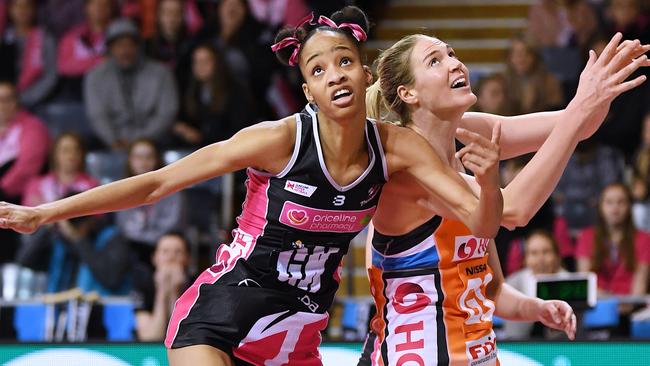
x=539, y=241
x=324, y=42
x=171, y=242
x=426, y=44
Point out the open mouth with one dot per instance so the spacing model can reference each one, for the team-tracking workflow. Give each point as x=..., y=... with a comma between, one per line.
x=459, y=83
x=341, y=94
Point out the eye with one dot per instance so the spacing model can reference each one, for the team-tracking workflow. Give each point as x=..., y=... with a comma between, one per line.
x=317, y=71
x=453, y=54
x=345, y=61
x=434, y=61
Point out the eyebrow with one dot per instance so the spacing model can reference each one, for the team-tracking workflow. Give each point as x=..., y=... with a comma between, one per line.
x=434, y=52
x=335, y=48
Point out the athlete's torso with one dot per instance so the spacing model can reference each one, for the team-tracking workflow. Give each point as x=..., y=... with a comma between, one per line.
x=302, y=221
x=430, y=287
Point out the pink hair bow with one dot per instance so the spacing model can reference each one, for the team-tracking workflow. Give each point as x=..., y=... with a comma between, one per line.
x=357, y=31
x=293, y=41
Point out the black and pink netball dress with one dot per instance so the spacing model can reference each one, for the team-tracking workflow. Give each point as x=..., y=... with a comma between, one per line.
x=265, y=300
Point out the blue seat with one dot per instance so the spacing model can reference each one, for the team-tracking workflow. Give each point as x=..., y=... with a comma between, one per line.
x=350, y=314
x=119, y=321
x=29, y=322
x=497, y=322
x=640, y=329
x=66, y=116
x=604, y=315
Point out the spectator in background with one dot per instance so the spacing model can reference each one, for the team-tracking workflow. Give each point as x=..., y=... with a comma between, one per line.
x=154, y=294
x=613, y=248
x=30, y=51
x=170, y=44
x=67, y=172
x=129, y=96
x=584, y=25
x=542, y=256
x=85, y=252
x=591, y=168
x=530, y=86
x=245, y=44
x=215, y=104
x=279, y=13
x=625, y=16
x=641, y=180
x=82, y=47
x=23, y=149
x=548, y=24
x=492, y=95
x=60, y=16
x=144, y=12
x=142, y=226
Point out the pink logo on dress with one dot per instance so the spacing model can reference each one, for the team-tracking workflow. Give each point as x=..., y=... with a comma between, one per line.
x=297, y=217
x=314, y=219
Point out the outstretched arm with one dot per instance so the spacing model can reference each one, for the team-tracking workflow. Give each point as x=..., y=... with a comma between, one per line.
x=526, y=133
x=514, y=305
x=265, y=146
x=406, y=150
x=601, y=81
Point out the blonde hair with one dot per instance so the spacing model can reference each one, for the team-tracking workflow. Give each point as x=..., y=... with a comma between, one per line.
x=393, y=70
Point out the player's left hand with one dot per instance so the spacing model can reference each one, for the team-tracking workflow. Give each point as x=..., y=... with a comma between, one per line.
x=558, y=315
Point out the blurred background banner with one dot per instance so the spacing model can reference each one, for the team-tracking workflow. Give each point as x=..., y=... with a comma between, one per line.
x=334, y=354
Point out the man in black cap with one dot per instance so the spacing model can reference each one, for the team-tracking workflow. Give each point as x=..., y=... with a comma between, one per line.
x=129, y=96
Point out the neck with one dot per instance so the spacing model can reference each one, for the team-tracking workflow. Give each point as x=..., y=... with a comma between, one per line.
x=22, y=29
x=440, y=132
x=169, y=35
x=96, y=27
x=65, y=176
x=342, y=140
x=615, y=232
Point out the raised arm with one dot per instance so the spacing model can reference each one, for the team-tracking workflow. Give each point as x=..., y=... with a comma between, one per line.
x=266, y=146
x=526, y=133
x=406, y=150
x=602, y=80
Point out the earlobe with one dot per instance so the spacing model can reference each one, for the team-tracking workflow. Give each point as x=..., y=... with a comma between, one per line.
x=308, y=96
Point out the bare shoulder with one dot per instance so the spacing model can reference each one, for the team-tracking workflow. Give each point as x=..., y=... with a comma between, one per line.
x=401, y=145
x=272, y=141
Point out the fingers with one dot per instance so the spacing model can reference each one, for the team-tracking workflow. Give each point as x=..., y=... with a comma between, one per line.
x=592, y=60
x=571, y=328
x=610, y=49
x=624, y=56
x=625, y=72
x=628, y=85
x=477, y=144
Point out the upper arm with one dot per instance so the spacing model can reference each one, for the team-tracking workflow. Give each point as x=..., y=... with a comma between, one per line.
x=266, y=146
x=408, y=151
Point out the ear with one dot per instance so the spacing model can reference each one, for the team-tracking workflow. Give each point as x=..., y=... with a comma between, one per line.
x=308, y=96
x=407, y=95
x=369, y=78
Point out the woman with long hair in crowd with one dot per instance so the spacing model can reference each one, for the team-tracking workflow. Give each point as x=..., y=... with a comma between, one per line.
x=314, y=183
x=455, y=276
x=613, y=248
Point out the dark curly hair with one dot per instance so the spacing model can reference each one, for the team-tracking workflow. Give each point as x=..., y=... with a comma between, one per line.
x=348, y=14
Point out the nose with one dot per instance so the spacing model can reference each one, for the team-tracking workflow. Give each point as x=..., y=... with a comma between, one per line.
x=336, y=77
x=454, y=64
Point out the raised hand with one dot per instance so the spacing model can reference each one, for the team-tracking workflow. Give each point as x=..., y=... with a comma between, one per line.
x=19, y=218
x=603, y=79
x=481, y=155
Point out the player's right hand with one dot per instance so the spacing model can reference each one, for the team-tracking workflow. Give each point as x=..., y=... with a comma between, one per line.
x=22, y=219
x=481, y=156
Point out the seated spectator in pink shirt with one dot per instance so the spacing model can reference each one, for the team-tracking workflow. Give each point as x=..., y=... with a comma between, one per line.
x=67, y=172
x=28, y=51
x=23, y=150
x=82, y=47
x=614, y=248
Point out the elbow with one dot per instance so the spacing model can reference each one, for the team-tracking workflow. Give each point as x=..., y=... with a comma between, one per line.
x=516, y=217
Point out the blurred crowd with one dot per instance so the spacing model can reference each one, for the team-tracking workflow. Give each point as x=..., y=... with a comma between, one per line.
x=96, y=90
